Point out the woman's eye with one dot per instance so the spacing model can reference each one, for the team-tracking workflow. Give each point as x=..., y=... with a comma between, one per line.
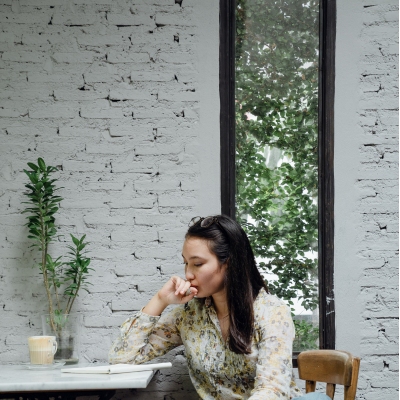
x=198, y=265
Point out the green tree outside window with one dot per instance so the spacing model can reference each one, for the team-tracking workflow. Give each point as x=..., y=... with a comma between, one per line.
x=276, y=145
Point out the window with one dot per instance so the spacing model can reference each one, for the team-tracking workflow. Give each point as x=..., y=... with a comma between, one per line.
x=279, y=115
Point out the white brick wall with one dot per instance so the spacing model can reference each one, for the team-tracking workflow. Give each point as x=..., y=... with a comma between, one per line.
x=366, y=192
x=123, y=96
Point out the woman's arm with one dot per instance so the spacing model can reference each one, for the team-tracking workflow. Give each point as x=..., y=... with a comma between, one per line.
x=143, y=337
x=173, y=292
x=146, y=335
x=274, y=365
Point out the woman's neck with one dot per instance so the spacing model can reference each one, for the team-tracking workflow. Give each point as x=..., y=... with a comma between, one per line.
x=220, y=303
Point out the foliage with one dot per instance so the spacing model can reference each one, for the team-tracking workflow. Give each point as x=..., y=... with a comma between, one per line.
x=42, y=205
x=276, y=139
x=76, y=274
x=307, y=335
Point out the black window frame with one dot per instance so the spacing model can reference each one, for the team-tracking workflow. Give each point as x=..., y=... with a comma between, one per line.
x=326, y=93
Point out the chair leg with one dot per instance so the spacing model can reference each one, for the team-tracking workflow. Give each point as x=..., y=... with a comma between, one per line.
x=330, y=390
x=350, y=391
x=310, y=386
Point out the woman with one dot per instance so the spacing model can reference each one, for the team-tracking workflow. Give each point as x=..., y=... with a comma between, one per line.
x=237, y=337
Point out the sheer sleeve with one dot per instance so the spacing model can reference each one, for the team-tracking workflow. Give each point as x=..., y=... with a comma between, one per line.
x=143, y=337
x=274, y=366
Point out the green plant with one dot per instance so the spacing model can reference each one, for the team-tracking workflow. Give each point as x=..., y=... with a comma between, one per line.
x=307, y=335
x=68, y=277
x=277, y=141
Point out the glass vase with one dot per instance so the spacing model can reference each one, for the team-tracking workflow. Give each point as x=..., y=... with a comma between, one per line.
x=67, y=330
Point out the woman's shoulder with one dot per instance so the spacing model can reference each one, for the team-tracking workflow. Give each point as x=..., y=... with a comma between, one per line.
x=267, y=301
x=272, y=316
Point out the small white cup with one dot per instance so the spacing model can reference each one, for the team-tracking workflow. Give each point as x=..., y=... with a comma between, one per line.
x=42, y=349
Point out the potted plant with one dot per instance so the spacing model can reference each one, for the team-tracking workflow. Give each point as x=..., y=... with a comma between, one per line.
x=62, y=279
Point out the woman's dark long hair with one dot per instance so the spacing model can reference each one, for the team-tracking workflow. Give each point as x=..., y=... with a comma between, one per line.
x=243, y=281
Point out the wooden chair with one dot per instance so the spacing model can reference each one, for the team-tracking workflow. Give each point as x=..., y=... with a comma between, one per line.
x=334, y=367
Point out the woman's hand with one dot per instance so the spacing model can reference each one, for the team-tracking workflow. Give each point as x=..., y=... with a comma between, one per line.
x=176, y=291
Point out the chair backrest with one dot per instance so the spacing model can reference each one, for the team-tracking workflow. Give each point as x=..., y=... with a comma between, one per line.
x=334, y=367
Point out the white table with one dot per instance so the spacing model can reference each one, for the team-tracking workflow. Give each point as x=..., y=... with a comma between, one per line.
x=19, y=380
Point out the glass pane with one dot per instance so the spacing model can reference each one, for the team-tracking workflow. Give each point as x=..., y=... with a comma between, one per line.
x=276, y=149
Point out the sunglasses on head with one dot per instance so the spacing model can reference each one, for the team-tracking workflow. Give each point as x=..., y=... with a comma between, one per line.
x=204, y=222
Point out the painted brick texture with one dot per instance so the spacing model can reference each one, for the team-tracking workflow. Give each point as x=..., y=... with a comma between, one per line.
x=107, y=91
x=376, y=188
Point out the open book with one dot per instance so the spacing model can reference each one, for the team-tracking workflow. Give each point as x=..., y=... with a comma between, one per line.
x=116, y=368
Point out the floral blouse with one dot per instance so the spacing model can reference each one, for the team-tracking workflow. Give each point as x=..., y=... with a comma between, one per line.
x=216, y=372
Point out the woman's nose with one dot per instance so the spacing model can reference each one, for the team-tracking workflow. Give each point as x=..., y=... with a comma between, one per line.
x=188, y=274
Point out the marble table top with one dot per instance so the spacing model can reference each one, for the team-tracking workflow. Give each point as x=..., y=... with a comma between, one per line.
x=18, y=378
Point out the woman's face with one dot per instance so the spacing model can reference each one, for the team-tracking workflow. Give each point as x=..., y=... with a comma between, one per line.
x=202, y=268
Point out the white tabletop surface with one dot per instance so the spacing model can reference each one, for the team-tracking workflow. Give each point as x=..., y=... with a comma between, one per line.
x=18, y=378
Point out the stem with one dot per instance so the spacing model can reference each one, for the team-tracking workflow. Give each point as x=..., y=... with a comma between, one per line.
x=56, y=293
x=44, y=246
x=68, y=309
x=46, y=285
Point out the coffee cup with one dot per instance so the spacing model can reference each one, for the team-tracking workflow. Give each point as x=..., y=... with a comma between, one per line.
x=42, y=349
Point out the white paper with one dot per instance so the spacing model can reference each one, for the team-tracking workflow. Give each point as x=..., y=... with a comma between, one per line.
x=116, y=368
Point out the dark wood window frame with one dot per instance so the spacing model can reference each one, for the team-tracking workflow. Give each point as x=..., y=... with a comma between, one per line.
x=325, y=148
